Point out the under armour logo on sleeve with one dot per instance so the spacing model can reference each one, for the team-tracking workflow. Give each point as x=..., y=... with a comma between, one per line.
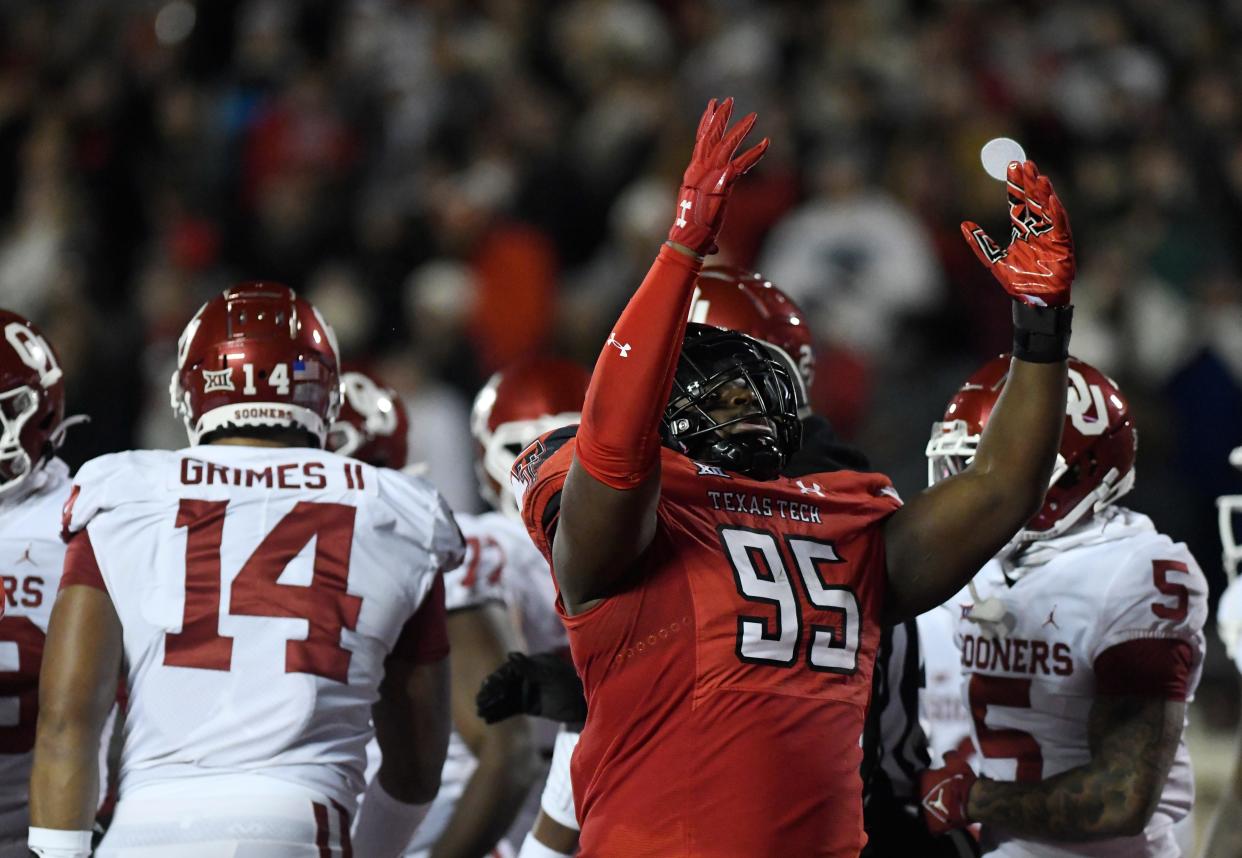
x=684, y=206
x=613, y=341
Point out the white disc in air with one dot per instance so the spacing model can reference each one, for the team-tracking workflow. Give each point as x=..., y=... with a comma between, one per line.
x=996, y=155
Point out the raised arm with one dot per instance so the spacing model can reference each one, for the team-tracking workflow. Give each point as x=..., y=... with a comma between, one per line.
x=944, y=535
x=608, y=505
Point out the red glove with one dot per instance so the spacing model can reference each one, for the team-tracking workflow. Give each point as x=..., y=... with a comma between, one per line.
x=709, y=178
x=945, y=793
x=1038, y=266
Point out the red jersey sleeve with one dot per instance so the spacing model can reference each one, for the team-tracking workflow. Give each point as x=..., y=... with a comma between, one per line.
x=81, y=567
x=1146, y=667
x=425, y=637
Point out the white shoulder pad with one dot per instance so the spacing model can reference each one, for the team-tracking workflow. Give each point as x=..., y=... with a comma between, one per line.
x=416, y=511
x=1157, y=590
x=108, y=481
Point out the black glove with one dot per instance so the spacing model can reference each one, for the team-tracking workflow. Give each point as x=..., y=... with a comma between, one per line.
x=543, y=684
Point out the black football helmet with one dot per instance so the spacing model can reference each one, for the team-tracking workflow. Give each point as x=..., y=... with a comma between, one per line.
x=713, y=359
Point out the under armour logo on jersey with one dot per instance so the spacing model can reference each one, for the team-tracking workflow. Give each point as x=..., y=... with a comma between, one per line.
x=812, y=489
x=710, y=471
x=1051, y=621
x=683, y=209
x=217, y=379
x=26, y=558
x=613, y=341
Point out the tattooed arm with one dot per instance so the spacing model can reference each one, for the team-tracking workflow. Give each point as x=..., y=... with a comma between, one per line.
x=1133, y=740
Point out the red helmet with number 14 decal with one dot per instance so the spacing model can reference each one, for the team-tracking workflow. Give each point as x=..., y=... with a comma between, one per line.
x=257, y=356
x=32, y=401
x=1095, y=464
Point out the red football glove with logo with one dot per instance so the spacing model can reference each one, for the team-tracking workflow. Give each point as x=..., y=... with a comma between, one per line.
x=1038, y=266
x=708, y=180
x=945, y=793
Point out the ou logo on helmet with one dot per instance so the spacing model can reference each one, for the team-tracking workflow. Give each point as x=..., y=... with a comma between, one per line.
x=372, y=402
x=1081, y=401
x=34, y=352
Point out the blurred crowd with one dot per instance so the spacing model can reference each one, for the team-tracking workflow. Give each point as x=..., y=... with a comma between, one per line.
x=457, y=184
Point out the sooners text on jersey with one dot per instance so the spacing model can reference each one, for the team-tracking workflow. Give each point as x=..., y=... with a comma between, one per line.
x=727, y=689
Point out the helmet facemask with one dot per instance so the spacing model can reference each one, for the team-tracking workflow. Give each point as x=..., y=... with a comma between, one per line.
x=715, y=361
x=17, y=406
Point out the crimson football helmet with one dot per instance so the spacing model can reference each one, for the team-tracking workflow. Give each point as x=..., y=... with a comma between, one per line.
x=373, y=424
x=32, y=401
x=1095, y=465
x=1229, y=507
x=516, y=406
x=740, y=300
x=257, y=356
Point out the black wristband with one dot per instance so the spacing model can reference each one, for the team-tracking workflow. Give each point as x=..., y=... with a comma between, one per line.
x=1041, y=334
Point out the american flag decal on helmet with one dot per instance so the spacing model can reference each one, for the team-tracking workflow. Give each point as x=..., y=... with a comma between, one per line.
x=302, y=371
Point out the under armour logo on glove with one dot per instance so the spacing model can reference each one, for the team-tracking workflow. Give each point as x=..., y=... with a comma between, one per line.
x=710, y=176
x=1038, y=266
x=613, y=341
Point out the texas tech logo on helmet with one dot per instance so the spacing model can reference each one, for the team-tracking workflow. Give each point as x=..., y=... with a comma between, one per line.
x=257, y=356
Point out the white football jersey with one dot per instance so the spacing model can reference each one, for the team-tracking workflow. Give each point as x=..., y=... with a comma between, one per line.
x=1029, y=647
x=260, y=591
x=31, y=556
x=946, y=721
x=502, y=566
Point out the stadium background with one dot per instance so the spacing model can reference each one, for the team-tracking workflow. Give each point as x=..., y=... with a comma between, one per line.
x=458, y=184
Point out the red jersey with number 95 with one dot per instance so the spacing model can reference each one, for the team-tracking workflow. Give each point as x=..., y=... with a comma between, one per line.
x=260, y=591
x=728, y=686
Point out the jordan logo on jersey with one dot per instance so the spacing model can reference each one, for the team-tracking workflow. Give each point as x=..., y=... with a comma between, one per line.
x=1051, y=621
x=26, y=558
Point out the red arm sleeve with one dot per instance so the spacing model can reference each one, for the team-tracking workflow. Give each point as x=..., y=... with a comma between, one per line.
x=424, y=639
x=81, y=567
x=1147, y=667
x=619, y=437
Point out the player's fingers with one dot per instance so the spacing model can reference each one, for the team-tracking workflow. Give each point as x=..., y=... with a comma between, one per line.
x=742, y=163
x=705, y=119
x=1014, y=180
x=1056, y=212
x=716, y=129
x=986, y=250
x=735, y=137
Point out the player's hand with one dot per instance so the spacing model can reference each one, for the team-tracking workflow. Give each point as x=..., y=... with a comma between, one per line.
x=708, y=180
x=544, y=684
x=1038, y=266
x=945, y=793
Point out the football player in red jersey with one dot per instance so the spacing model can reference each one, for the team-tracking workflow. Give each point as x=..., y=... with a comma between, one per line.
x=724, y=619
x=257, y=666
x=895, y=748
